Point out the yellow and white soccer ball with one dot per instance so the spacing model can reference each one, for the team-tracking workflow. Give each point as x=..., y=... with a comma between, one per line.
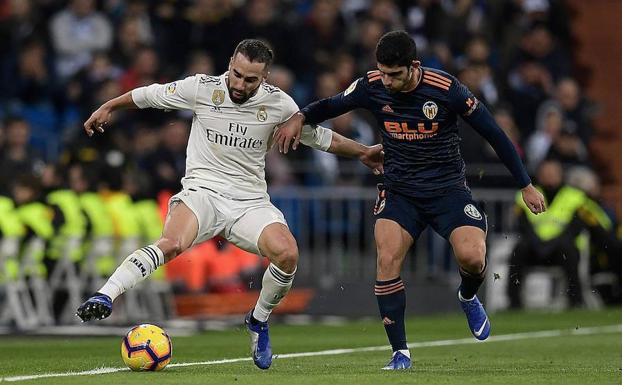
x=146, y=347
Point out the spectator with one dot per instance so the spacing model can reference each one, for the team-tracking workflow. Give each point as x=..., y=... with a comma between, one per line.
x=200, y=63
x=33, y=82
x=549, y=238
x=364, y=47
x=426, y=20
x=539, y=45
x=262, y=21
x=529, y=85
x=144, y=70
x=23, y=24
x=578, y=112
x=131, y=38
x=168, y=163
x=17, y=157
x=325, y=33
x=549, y=125
x=212, y=27
x=78, y=31
x=386, y=12
x=569, y=150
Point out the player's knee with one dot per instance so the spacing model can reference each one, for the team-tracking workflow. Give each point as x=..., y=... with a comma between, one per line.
x=472, y=256
x=170, y=247
x=286, y=257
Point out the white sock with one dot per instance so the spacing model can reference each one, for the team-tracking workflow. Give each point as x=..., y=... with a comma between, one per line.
x=274, y=286
x=405, y=352
x=135, y=268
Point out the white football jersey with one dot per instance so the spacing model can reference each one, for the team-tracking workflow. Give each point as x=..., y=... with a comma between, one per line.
x=228, y=141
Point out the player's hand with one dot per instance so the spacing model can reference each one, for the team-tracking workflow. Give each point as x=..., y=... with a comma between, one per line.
x=98, y=120
x=533, y=199
x=373, y=157
x=288, y=131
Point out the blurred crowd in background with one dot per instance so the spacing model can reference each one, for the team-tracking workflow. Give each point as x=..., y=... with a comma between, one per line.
x=60, y=60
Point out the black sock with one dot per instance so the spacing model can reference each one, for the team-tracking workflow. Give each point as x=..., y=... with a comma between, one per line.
x=392, y=304
x=471, y=282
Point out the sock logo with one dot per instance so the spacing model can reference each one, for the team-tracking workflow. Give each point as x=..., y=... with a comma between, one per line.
x=140, y=266
x=386, y=321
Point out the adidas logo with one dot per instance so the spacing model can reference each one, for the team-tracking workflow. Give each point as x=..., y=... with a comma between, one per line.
x=387, y=108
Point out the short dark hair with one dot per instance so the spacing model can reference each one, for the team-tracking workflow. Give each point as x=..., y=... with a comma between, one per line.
x=255, y=50
x=396, y=48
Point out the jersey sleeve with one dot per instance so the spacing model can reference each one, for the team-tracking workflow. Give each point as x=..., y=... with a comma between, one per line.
x=177, y=95
x=355, y=96
x=461, y=100
x=316, y=136
x=288, y=106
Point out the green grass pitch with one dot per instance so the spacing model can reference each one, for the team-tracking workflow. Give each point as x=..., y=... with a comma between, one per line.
x=570, y=358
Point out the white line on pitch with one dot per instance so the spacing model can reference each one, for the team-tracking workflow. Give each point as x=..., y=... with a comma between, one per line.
x=332, y=352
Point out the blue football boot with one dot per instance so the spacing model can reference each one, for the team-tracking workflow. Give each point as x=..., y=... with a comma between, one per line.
x=399, y=361
x=260, y=341
x=479, y=324
x=99, y=306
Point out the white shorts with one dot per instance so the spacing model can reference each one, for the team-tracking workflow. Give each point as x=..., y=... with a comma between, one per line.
x=239, y=221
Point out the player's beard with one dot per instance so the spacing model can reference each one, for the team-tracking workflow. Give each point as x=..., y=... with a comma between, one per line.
x=238, y=99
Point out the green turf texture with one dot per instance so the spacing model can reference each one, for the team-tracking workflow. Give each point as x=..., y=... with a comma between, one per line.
x=576, y=359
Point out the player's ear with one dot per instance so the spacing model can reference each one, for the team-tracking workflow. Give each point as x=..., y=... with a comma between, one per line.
x=416, y=64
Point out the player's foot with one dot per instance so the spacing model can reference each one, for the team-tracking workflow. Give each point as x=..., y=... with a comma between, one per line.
x=399, y=361
x=479, y=324
x=260, y=341
x=99, y=306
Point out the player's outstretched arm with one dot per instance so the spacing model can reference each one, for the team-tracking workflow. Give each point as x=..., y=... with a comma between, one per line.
x=318, y=112
x=483, y=122
x=370, y=156
x=177, y=95
x=100, y=118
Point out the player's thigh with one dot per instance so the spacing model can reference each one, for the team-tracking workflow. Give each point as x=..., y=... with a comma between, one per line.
x=180, y=230
x=392, y=244
x=249, y=227
x=191, y=219
x=391, y=238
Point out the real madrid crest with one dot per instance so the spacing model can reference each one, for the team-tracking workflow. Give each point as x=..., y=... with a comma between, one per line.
x=171, y=88
x=262, y=114
x=430, y=109
x=218, y=97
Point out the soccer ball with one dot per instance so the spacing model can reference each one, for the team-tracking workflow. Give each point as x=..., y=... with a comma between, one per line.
x=146, y=347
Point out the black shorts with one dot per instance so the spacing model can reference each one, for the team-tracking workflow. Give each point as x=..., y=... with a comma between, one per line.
x=450, y=209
